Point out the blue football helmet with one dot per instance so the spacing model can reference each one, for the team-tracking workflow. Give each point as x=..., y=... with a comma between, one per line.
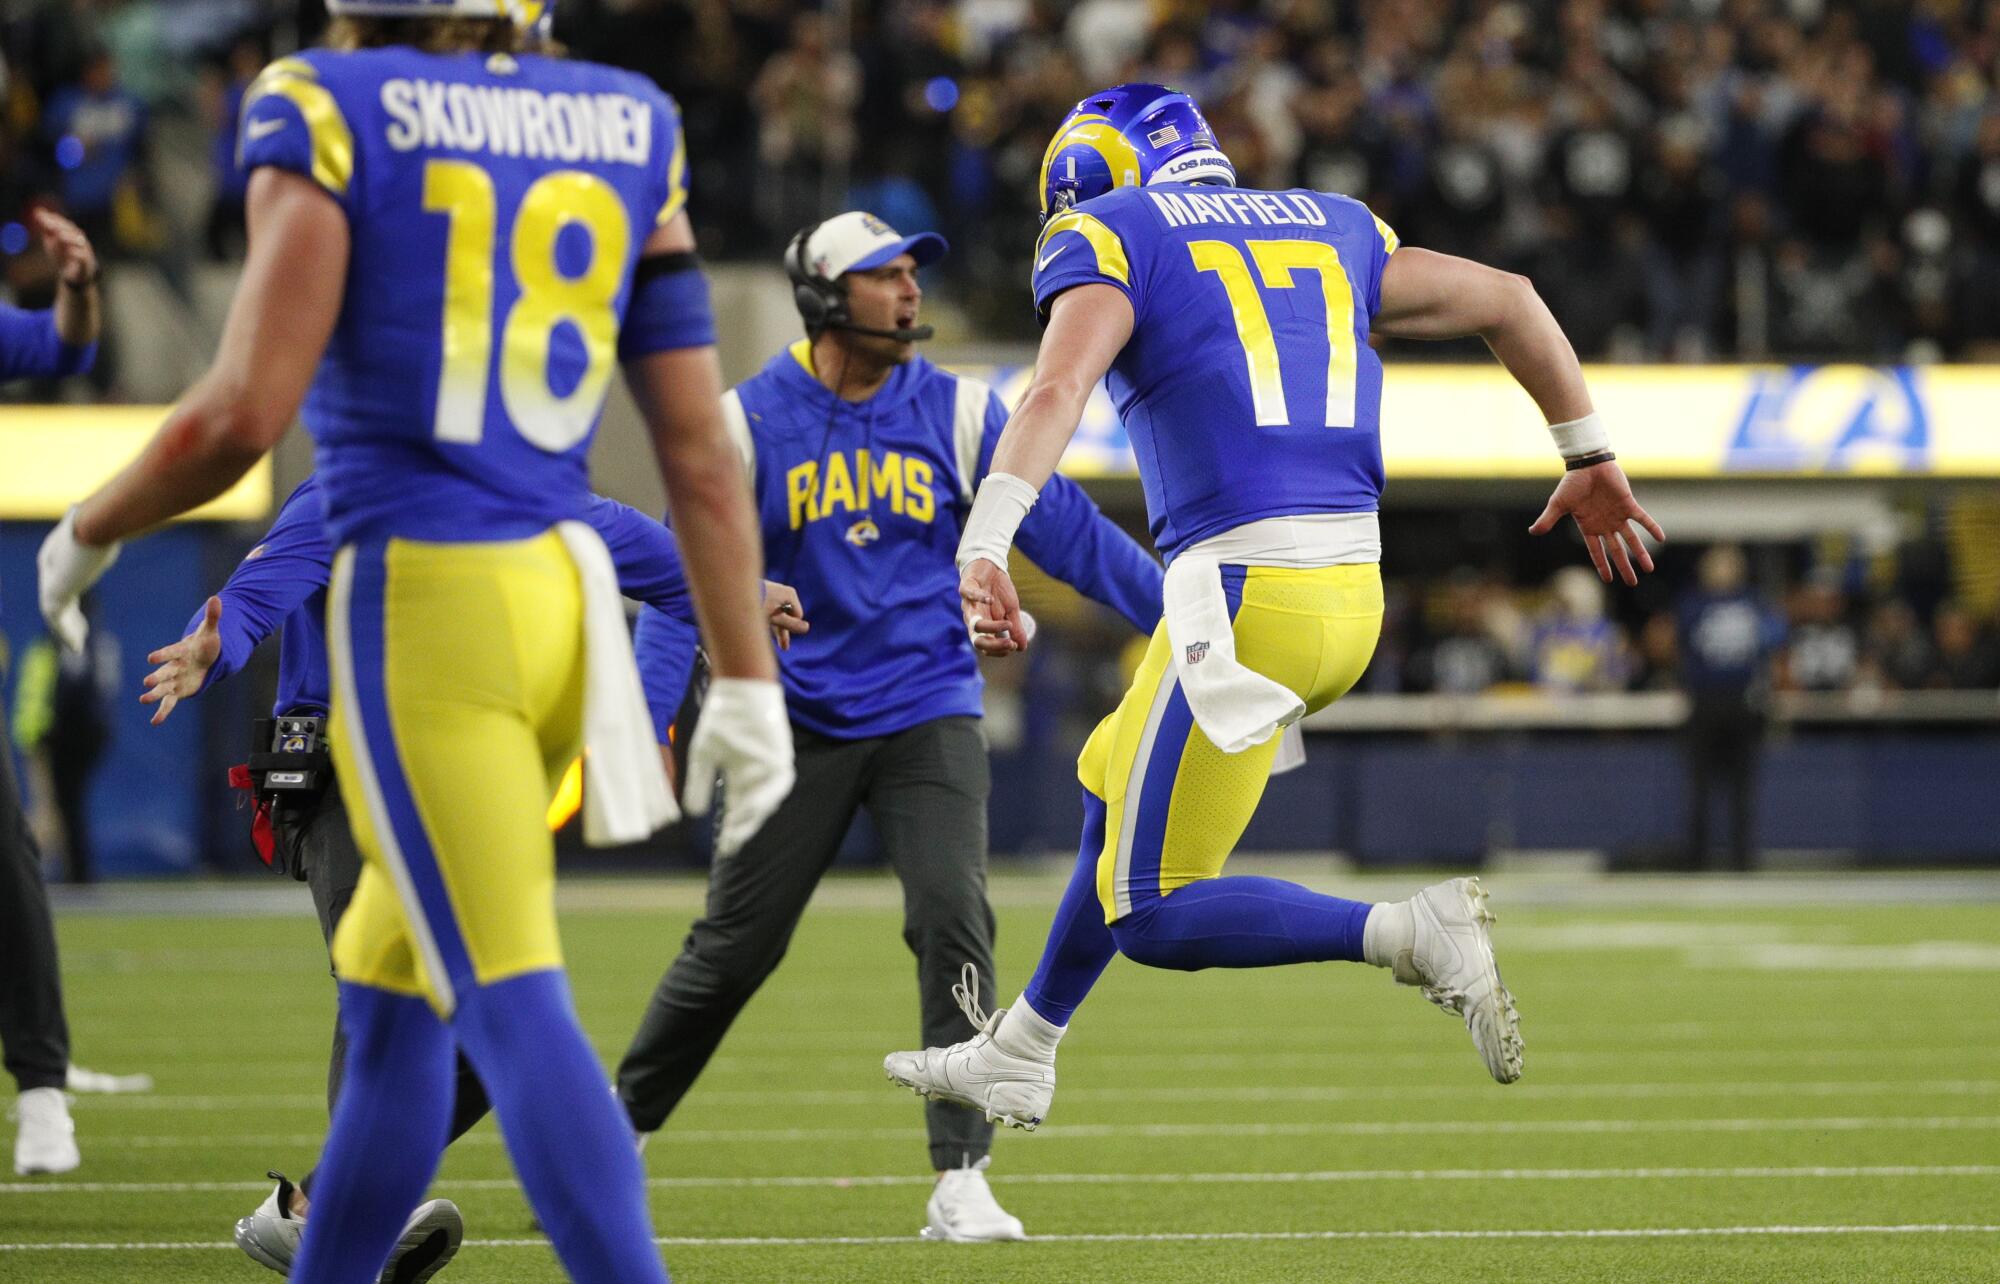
x=1128, y=136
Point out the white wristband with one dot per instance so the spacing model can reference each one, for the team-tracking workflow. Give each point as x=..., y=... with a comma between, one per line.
x=1578, y=437
x=997, y=512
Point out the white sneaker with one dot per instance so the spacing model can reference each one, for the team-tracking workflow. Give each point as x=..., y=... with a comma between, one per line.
x=963, y=1211
x=271, y=1234
x=1452, y=959
x=46, y=1140
x=96, y=1081
x=1009, y=1089
x=430, y=1238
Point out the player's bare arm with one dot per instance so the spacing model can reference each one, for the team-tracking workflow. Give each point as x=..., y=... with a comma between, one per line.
x=743, y=734
x=278, y=325
x=1426, y=295
x=1087, y=327
x=284, y=311
x=679, y=393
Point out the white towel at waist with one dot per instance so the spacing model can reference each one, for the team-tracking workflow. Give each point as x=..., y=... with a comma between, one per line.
x=625, y=794
x=1234, y=705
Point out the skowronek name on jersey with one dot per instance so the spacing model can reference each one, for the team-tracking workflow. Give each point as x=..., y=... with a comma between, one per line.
x=514, y=121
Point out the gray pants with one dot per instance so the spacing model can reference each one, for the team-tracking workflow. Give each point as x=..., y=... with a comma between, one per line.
x=926, y=790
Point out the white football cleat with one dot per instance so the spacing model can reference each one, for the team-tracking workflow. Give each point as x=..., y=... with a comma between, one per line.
x=963, y=1211
x=429, y=1240
x=46, y=1140
x=96, y=1081
x=1452, y=959
x=1006, y=1088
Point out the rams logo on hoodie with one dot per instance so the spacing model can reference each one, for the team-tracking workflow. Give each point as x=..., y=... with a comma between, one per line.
x=854, y=482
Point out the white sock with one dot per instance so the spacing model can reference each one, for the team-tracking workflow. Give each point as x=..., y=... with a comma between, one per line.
x=1390, y=930
x=1024, y=1032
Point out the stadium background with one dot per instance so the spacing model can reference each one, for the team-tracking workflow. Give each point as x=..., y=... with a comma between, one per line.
x=1779, y=222
x=1774, y=228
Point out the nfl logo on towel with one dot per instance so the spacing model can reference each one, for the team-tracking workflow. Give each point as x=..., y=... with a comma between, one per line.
x=1196, y=651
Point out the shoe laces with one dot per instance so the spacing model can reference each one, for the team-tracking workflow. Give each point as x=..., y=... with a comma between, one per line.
x=966, y=993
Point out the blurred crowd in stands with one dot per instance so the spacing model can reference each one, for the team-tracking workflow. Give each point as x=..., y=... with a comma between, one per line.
x=1830, y=629
x=1682, y=178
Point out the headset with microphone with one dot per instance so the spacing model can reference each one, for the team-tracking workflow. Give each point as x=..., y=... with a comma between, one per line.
x=823, y=304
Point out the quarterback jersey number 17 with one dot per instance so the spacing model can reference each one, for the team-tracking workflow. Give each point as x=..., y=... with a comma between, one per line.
x=495, y=208
x=1248, y=387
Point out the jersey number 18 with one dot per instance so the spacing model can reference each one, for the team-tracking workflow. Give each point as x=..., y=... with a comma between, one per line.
x=463, y=193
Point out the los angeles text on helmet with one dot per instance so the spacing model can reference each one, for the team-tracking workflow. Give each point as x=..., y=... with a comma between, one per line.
x=517, y=122
x=1246, y=208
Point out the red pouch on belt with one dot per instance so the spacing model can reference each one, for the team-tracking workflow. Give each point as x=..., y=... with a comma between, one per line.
x=260, y=825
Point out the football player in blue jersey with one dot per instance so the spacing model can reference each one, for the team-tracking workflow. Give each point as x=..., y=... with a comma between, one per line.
x=1232, y=329
x=452, y=247
x=280, y=587
x=864, y=458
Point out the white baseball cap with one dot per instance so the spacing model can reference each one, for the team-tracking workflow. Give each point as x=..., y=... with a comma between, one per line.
x=857, y=241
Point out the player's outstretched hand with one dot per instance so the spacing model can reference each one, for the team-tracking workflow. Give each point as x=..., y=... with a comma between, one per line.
x=781, y=606
x=67, y=247
x=184, y=665
x=992, y=610
x=1601, y=501
x=744, y=737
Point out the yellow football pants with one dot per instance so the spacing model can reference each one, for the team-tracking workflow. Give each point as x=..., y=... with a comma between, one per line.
x=457, y=703
x=1175, y=805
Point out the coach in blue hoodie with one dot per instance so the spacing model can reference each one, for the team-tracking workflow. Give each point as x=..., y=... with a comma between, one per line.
x=863, y=458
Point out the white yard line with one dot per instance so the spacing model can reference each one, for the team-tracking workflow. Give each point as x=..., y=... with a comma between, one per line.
x=1302, y=1128
x=1399, y=1092
x=1163, y=1237
x=147, y=1103
x=1120, y=1179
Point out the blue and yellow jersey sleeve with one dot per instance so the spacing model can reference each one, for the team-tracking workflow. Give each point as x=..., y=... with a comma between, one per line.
x=293, y=121
x=1078, y=247
x=1385, y=243
x=674, y=193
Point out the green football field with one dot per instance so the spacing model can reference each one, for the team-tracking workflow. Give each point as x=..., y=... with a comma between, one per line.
x=1790, y=1079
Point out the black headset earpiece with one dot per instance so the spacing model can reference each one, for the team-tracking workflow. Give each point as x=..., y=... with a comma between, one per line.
x=821, y=303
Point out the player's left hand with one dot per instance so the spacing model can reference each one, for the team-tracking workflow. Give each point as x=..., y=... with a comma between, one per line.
x=1600, y=500
x=67, y=247
x=744, y=737
x=992, y=610
x=787, y=616
x=64, y=569
x=184, y=665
